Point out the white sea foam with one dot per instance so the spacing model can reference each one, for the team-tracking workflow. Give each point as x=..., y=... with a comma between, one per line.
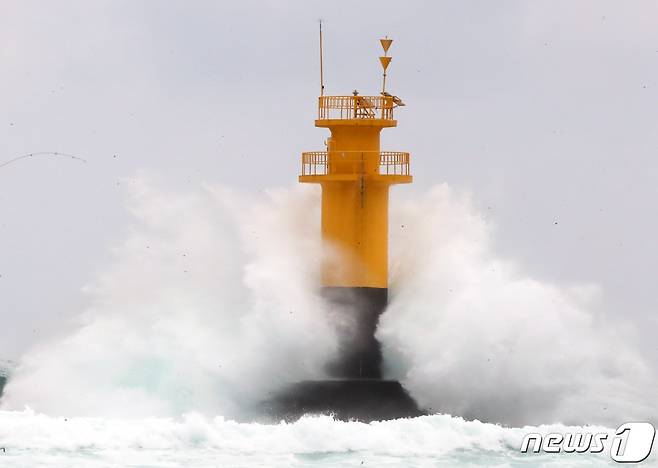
x=196, y=440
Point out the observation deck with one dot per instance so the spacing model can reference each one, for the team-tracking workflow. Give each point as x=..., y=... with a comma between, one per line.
x=372, y=111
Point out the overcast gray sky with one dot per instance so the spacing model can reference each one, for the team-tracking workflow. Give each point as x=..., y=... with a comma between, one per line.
x=545, y=111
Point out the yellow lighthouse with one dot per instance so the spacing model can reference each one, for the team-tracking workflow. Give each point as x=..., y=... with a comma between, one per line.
x=355, y=176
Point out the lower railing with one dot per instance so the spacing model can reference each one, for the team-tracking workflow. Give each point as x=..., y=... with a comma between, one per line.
x=353, y=162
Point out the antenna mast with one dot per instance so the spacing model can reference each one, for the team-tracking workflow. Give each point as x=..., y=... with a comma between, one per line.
x=321, y=71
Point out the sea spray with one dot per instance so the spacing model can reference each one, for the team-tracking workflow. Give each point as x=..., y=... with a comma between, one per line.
x=210, y=304
x=469, y=333
x=5, y=369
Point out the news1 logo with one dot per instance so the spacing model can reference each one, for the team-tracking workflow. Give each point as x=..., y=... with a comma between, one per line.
x=631, y=443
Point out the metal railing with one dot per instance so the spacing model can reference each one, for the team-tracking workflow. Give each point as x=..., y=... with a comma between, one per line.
x=354, y=162
x=393, y=163
x=355, y=107
x=315, y=163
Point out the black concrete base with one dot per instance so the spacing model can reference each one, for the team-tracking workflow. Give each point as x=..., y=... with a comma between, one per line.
x=356, y=399
x=354, y=390
x=355, y=313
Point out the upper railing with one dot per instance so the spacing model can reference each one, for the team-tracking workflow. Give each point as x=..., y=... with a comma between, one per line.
x=354, y=162
x=355, y=107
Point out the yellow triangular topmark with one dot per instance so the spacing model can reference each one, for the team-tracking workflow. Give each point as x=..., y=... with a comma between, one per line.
x=386, y=43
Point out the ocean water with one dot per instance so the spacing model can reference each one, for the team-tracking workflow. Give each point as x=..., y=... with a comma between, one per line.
x=210, y=305
x=33, y=440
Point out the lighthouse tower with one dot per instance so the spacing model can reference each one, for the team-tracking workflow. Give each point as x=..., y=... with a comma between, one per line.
x=355, y=176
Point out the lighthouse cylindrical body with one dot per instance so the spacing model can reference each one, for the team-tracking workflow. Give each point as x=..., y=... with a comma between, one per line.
x=355, y=177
